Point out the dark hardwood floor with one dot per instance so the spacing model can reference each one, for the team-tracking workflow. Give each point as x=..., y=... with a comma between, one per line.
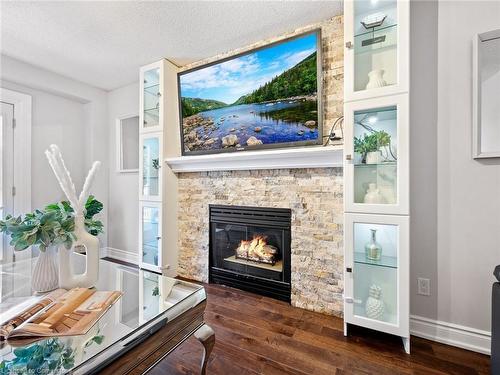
x=259, y=335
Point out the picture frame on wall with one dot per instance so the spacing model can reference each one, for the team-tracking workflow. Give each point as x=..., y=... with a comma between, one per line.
x=127, y=144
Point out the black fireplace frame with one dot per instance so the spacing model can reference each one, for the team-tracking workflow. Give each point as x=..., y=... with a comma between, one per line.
x=279, y=218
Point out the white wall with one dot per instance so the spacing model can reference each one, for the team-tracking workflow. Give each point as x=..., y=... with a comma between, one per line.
x=70, y=114
x=455, y=200
x=123, y=200
x=468, y=190
x=58, y=120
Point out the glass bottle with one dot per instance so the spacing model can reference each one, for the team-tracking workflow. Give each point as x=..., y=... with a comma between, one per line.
x=373, y=250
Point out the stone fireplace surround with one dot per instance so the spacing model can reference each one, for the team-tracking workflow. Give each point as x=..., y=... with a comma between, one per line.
x=315, y=196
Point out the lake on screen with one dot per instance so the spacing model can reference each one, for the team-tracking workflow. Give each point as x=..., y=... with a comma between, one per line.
x=277, y=122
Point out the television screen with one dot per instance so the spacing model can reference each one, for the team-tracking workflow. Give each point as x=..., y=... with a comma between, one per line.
x=263, y=98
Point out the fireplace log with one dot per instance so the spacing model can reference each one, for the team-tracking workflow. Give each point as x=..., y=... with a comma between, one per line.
x=257, y=250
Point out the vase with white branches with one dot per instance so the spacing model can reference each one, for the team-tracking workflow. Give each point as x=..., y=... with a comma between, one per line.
x=68, y=278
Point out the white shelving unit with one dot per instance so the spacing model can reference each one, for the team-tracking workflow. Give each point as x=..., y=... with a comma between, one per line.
x=376, y=166
x=158, y=138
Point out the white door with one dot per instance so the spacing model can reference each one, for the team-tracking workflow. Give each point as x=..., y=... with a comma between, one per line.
x=7, y=174
x=15, y=188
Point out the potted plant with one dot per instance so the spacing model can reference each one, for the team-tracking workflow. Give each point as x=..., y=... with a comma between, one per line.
x=368, y=146
x=48, y=229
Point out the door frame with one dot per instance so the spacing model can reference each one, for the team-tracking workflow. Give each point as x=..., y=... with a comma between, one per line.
x=22, y=143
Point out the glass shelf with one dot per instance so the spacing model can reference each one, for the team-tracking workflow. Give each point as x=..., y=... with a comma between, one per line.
x=375, y=29
x=385, y=261
x=384, y=164
x=153, y=89
x=152, y=111
x=151, y=86
x=376, y=39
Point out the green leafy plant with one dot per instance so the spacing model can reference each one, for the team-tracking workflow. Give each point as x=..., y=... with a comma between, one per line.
x=92, y=208
x=52, y=226
x=45, y=357
x=371, y=142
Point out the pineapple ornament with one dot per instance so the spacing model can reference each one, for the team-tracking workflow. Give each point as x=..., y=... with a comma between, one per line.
x=374, y=306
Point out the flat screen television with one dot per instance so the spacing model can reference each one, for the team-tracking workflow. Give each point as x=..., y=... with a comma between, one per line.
x=267, y=97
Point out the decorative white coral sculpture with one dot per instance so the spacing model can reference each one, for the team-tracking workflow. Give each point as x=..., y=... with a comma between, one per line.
x=67, y=277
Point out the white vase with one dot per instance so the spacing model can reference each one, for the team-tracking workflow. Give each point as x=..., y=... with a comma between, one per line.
x=376, y=79
x=45, y=275
x=68, y=278
x=374, y=307
x=373, y=157
x=373, y=195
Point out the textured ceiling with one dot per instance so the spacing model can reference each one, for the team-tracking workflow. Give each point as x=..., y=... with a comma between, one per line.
x=104, y=43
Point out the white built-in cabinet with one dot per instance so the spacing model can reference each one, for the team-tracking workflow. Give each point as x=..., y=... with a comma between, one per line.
x=158, y=138
x=376, y=166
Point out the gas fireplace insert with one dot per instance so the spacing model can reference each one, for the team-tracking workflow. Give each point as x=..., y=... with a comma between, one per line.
x=250, y=249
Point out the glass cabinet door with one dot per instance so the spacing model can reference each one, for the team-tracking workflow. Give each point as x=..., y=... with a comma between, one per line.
x=377, y=48
x=151, y=95
x=150, y=234
x=150, y=168
x=377, y=270
x=377, y=156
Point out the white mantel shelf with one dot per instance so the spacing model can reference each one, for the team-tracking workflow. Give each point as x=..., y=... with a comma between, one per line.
x=287, y=158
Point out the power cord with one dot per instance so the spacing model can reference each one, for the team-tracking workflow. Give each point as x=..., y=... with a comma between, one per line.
x=333, y=134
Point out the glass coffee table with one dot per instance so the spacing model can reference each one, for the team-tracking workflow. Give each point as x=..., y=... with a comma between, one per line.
x=155, y=315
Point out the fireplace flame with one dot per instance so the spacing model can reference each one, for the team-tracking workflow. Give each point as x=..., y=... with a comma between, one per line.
x=257, y=249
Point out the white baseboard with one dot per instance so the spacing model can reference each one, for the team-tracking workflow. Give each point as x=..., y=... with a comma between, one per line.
x=451, y=334
x=103, y=252
x=123, y=255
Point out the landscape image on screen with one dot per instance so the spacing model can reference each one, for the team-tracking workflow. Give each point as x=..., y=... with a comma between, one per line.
x=265, y=97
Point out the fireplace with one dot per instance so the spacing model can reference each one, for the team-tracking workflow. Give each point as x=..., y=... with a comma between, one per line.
x=250, y=249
